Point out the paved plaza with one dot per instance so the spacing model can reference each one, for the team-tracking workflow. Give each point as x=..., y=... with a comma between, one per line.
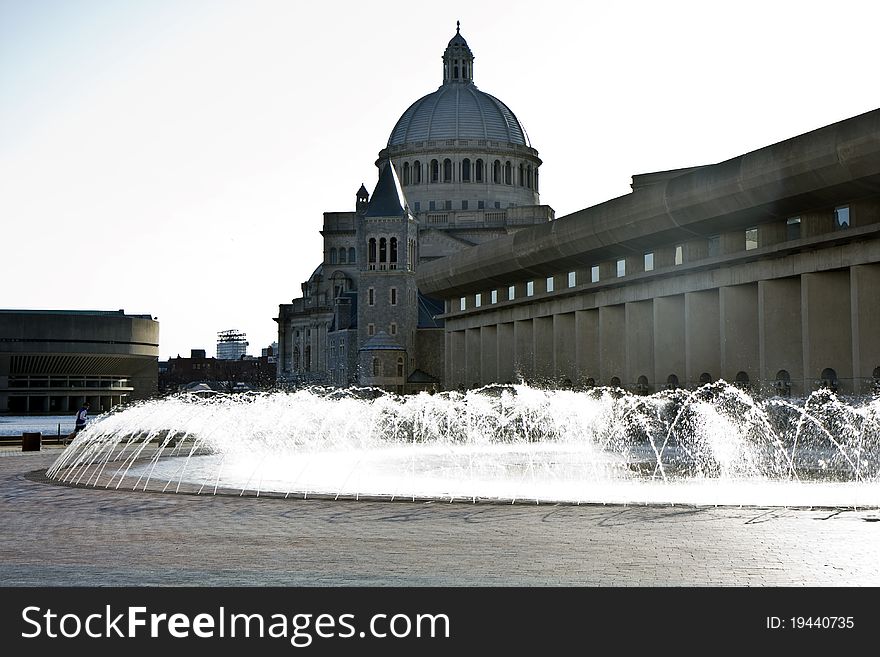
x=59, y=535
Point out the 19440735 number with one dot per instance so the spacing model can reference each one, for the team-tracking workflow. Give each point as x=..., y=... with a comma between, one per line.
x=811, y=622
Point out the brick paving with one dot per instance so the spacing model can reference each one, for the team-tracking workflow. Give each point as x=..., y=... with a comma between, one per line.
x=63, y=536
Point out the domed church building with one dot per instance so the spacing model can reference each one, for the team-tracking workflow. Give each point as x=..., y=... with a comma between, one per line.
x=458, y=170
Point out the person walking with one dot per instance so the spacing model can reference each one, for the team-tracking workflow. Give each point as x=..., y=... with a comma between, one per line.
x=82, y=418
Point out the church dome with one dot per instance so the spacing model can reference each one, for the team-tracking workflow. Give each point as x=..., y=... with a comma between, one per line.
x=458, y=110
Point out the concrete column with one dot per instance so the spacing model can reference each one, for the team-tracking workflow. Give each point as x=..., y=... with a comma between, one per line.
x=564, y=348
x=827, y=328
x=612, y=343
x=738, y=320
x=669, y=339
x=447, y=358
x=472, y=358
x=458, y=360
x=489, y=354
x=543, y=348
x=524, y=354
x=702, y=337
x=586, y=329
x=506, y=365
x=639, y=343
x=865, y=309
x=780, y=344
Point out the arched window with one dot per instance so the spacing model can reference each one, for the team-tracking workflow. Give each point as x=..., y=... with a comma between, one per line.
x=642, y=387
x=351, y=256
x=478, y=171
x=829, y=379
x=465, y=170
x=296, y=359
x=342, y=256
x=782, y=384
x=400, y=367
x=372, y=250
x=393, y=249
x=615, y=381
x=536, y=179
x=508, y=174
x=590, y=382
x=435, y=171
x=417, y=173
x=383, y=250
x=308, y=358
x=672, y=382
x=705, y=378
x=522, y=175
x=406, y=174
x=742, y=380
x=529, y=176
x=496, y=172
x=377, y=367
x=332, y=256
x=447, y=170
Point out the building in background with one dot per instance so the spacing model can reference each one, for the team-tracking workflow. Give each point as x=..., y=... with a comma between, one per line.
x=51, y=361
x=182, y=374
x=458, y=170
x=231, y=344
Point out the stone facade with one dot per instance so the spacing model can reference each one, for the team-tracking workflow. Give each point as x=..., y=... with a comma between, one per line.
x=463, y=174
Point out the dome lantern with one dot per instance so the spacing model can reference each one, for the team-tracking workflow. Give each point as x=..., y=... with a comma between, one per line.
x=458, y=60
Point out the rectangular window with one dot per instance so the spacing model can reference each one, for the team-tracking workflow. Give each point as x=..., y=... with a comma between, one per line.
x=841, y=217
x=371, y=297
x=497, y=205
x=392, y=329
x=481, y=205
x=494, y=296
x=478, y=300
x=462, y=304
x=621, y=268
x=751, y=239
x=530, y=288
x=793, y=228
x=418, y=206
x=594, y=274
x=550, y=283
x=679, y=254
x=572, y=279
x=448, y=205
x=432, y=205
x=714, y=246
x=511, y=293
x=464, y=205
x=371, y=329
x=649, y=261
x=393, y=296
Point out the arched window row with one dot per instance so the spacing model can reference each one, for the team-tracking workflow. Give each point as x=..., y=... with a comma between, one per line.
x=382, y=251
x=468, y=170
x=342, y=256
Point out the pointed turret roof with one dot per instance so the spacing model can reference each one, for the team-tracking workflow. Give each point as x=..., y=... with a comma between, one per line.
x=388, y=199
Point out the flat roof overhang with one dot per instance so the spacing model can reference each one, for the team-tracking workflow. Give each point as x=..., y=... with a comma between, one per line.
x=819, y=169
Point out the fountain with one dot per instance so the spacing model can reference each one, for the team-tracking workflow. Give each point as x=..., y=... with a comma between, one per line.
x=716, y=445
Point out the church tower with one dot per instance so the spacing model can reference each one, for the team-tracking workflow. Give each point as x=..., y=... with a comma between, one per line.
x=387, y=292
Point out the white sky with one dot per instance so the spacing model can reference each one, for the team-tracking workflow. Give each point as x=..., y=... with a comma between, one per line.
x=175, y=157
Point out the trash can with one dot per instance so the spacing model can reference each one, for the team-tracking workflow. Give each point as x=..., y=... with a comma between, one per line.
x=30, y=442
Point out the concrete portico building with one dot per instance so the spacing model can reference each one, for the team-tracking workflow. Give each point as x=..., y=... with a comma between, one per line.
x=51, y=361
x=763, y=269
